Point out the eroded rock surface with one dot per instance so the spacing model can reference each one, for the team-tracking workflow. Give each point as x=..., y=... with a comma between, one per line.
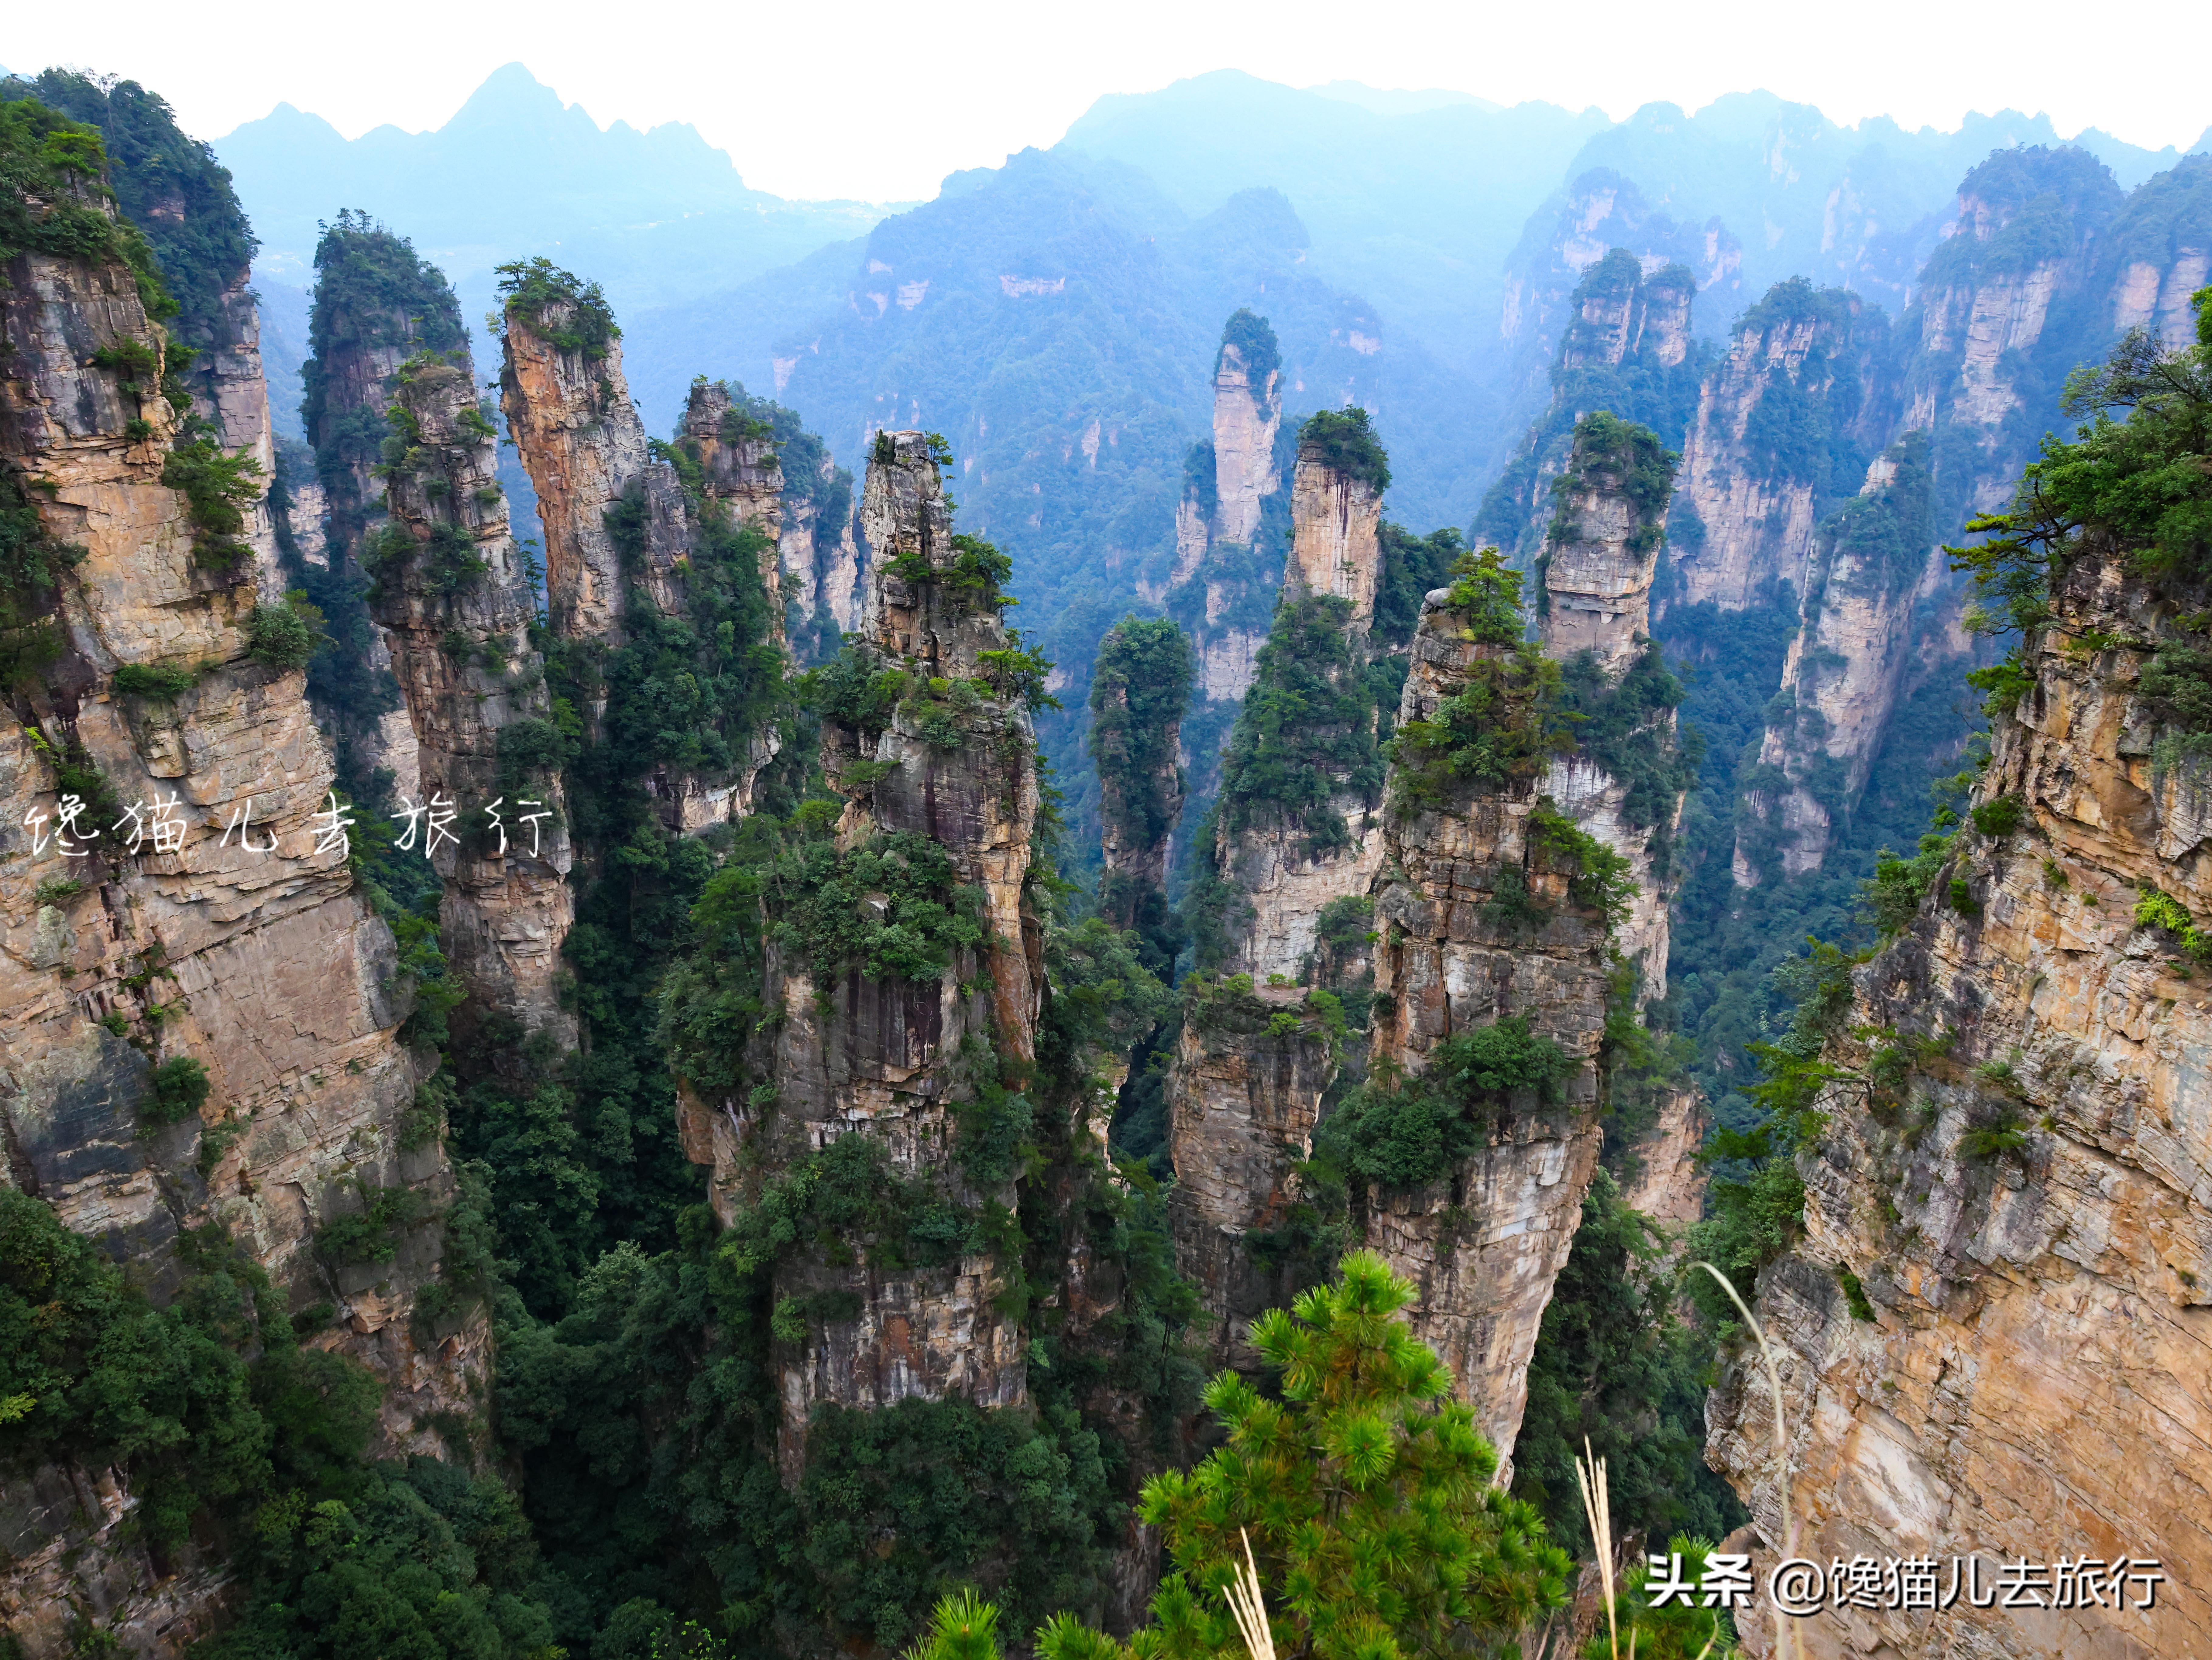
x=238, y=939
x=2030, y=1211
x=1485, y=1244
x=454, y=596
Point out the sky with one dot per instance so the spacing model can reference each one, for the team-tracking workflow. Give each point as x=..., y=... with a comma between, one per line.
x=878, y=102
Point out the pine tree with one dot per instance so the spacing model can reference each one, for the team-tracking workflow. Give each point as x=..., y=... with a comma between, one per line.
x=1366, y=1493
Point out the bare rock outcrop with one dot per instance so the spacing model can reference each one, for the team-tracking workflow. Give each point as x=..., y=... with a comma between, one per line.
x=1820, y=353
x=1244, y=1089
x=453, y=594
x=175, y=888
x=1485, y=1244
x=2018, y=1172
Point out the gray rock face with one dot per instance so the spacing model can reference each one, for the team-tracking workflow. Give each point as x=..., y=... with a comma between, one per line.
x=1244, y=1099
x=2035, y=1379
x=454, y=598
x=1485, y=1244
x=894, y=1059
x=265, y=964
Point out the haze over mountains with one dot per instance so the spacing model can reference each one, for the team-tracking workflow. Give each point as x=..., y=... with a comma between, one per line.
x=1056, y=317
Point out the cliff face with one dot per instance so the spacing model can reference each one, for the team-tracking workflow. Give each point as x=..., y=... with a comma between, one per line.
x=1600, y=557
x=1625, y=349
x=261, y=961
x=2028, y=1209
x=899, y=1060
x=453, y=595
x=1139, y=688
x=1336, y=517
x=1248, y=412
x=569, y=414
x=1485, y=1244
x=1603, y=549
x=1285, y=859
x=1876, y=563
x=821, y=556
x=1244, y=1100
x=1810, y=362
x=1599, y=214
x=1227, y=526
x=376, y=302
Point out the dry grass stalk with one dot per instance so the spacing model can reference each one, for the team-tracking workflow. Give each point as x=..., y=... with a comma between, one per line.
x=1597, y=1505
x=1783, y=1647
x=1251, y=1612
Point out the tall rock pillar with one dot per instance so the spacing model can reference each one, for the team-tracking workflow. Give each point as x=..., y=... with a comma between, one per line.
x=1481, y=919
x=453, y=591
x=1248, y=412
x=902, y=1066
x=1296, y=829
x=568, y=411
x=252, y=954
x=1302, y=783
x=1599, y=557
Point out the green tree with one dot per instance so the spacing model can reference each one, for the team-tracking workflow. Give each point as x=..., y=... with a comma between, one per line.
x=1365, y=1492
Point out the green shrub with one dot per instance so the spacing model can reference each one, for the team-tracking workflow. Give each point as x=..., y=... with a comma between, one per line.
x=530, y=288
x=1894, y=893
x=1999, y=1135
x=217, y=489
x=1403, y=1132
x=180, y=1090
x=371, y=1234
x=2004, y=684
x=159, y=680
x=1598, y=879
x=1855, y=1295
x=1361, y=1486
x=2155, y=910
x=2000, y=817
x=1342, y=440
x=280, y=637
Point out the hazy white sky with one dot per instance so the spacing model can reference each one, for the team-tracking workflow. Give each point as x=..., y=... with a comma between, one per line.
x=874, y=100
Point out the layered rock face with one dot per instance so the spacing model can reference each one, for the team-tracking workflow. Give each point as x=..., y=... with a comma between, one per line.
x=1248, y=412
x=1603, y=550
x=821, y=556
x=1283, y=870
x=1876, y=563
x=1599, y=562
x=1485, y=1244
x=1602, y=215
x=238, y=940
x=1622, y=327
x=893, y=1059
x=569, y=414
x=1819, y=355
x=453, y=595
x=1244, y=1100
x=568, y=409
x=376, y=303
x=1336, y=517
x=1139, y=688
x=1224, y=576
x=2030, y=1210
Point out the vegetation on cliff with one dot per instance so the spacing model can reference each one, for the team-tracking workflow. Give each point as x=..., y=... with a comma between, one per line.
x=167, y=186
x=1306, y=737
